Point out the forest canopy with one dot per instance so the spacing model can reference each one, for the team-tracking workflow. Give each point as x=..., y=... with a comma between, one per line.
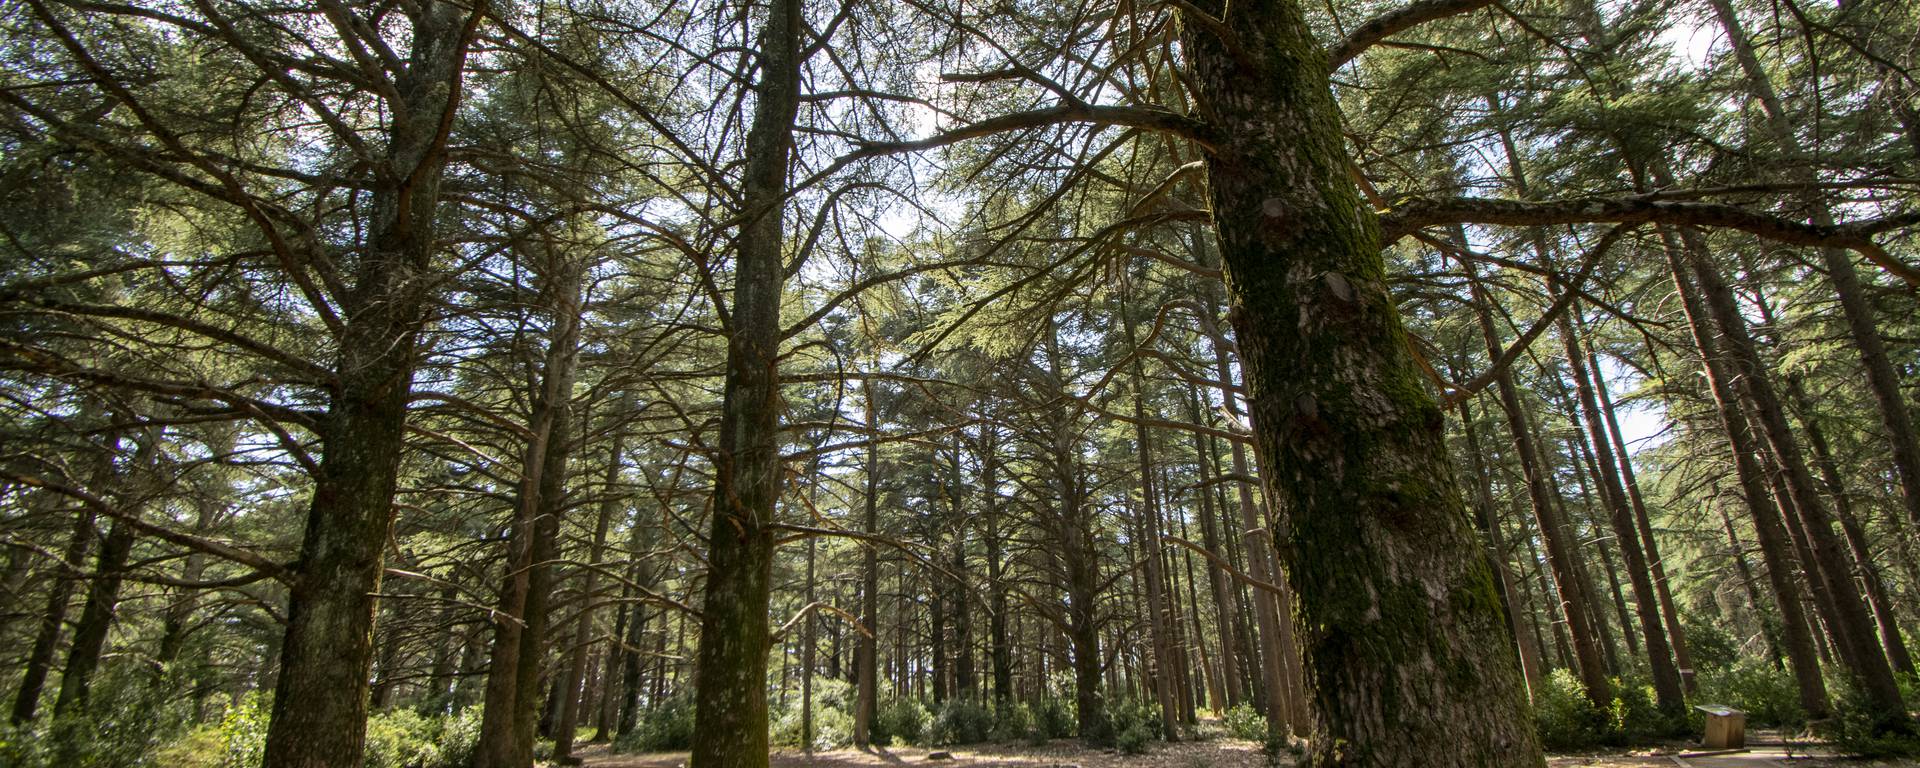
x=1435, y=382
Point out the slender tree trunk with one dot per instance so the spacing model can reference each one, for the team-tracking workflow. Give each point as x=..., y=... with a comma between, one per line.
x=1655, y=564
x=1489, y=525
x=1563, y=557
x=1774, y=545
x=866, y=654
x=1903, y=442
x=1668, y=696
x=508, y=723
x=1222, y=591
x=1400, y=617
x=53, y=617
x=730, y=704
x=583, y=624
x=1863, y=656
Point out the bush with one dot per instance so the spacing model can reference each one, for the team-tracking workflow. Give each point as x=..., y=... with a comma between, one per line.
x=664, y=728
x=1013, y=722
x=900, y=721
x=1054, y=718
x=961, y=721
x=1134, y=738
x=1769, y=696
x=1245, y=722
x=1858, y=729
x=402, y=739
x=1134, y=722
x=832, y=725
x=1567, y=721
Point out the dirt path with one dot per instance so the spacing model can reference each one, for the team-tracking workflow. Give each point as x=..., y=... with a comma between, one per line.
x=1215, y=753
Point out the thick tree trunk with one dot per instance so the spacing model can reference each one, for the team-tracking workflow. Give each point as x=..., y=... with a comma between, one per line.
x=320, y=697
x=1399, y=615
x=730, y=704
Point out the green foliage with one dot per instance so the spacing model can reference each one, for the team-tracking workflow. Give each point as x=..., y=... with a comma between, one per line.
x=1245, y=722
x=663, y=728
x=405, y=739
x=1054, y=718
x=1014, y=722
x=832, y=717
x=1135, y=722
x=961, y=721
x=130, y=717
x=900, y=721
x=1567, y=721
x=1769, y=696
x=1134, y=738
x=1858, y=729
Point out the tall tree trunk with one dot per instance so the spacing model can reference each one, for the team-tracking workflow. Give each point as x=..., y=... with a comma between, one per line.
x=1828, y=570
x=1903, y=442
x=1668, y=696
x=1655, y=564
x=866, y=653
x=1489, y=524
x=730, y=705
x=53, y=617
x=1159, y=632
x=507, y=724
x=1399, y=616
x=1774, y=545
x=320, y=697
x=1563, y=557
x=583, y=624
x=1222, y=591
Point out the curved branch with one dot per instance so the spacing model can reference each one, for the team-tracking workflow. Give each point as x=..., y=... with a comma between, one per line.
x=1415, y=213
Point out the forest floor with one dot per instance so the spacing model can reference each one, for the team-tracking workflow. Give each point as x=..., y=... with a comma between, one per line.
x=1219, y=753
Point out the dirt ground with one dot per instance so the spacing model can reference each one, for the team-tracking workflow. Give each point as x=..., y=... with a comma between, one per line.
x=1219, y=753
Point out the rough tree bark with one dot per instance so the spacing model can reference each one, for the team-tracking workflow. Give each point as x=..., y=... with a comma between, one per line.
x=320, y=698
x=1399, y=617
x=730, y=704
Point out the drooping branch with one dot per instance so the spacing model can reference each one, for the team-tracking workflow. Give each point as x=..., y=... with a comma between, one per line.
x=1412, y=214
x=1394, y=22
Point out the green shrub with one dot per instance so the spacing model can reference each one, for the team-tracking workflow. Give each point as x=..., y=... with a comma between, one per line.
x=1769, y=696
x=1134, y=722
x=402, y=739
x=900, y=721
x=1567, y=721
x=1245, y=722
x=1054, y=718
x=1012, y=722
x=1134, y=738
x=961, y=721
x=832, y=725
x=664, y=728
x=1860, y=730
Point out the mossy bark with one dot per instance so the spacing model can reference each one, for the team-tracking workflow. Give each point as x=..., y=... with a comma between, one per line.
x=1398, y=615
x=320, y=698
